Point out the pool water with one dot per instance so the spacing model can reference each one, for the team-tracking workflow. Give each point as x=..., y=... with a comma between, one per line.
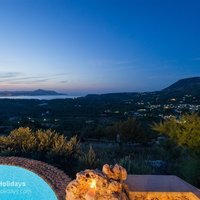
x=17, y=183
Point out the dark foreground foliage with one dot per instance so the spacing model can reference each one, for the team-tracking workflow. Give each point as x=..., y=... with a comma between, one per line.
x=72, y=156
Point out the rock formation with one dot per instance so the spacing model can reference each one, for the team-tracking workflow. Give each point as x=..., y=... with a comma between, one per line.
x=99, y=185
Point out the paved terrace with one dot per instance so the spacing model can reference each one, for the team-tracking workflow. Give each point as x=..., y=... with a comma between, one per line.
x=56, y=178
x=160, y=187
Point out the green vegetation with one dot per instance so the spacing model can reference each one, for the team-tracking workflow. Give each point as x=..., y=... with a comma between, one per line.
x=184, y=131
x=129, y=130
x=89, y=159
x=47, y=146
x=71, y=156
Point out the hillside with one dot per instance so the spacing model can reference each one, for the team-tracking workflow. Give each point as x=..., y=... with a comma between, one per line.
x=187, y=86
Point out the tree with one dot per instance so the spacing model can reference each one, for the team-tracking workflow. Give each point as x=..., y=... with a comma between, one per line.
x=129, y=130
x=185, y=131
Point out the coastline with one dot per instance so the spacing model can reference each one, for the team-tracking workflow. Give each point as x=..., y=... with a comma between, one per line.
x=41, y=97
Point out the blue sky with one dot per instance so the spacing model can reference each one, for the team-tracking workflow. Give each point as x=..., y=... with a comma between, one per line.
x=98, y=46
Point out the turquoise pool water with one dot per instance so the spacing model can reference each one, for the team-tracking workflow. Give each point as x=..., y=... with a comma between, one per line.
x=17, y=183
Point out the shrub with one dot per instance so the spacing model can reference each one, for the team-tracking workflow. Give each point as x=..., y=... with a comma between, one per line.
x=47, y=146
x=89, y=159
x=134, y=166
x=184, y=131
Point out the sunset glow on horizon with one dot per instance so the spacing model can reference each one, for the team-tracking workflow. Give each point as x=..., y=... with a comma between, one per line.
x=85, y=46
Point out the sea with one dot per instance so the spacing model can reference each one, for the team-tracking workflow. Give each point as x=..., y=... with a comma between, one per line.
x=41, y=97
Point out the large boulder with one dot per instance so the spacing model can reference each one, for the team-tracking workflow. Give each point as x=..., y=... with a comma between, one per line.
x=99, y=185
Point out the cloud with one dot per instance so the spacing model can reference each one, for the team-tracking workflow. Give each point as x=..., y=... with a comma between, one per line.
x=10, y=74
x=30, y=81
x=64, y=81
x=63, y=74
x=15, y=77
x=18, y=78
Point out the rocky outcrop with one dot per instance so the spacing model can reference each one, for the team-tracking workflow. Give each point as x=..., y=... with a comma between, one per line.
x=99, y=185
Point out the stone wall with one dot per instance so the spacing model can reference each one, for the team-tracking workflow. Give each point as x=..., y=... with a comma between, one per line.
x=56, y=178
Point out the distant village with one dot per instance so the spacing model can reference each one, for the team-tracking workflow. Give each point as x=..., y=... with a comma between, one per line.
x=74, y=115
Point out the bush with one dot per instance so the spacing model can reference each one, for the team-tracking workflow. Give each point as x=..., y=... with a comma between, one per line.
x=47, y=146
x=129, y=130
x=189, y=170
x=89, y=159
x=184, y=131
x=134, y=166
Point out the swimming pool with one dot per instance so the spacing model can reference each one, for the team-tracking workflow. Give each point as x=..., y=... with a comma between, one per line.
x=17, y=183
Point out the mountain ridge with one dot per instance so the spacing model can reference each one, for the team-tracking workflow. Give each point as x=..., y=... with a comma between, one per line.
x=186, y=86
x=190, y=86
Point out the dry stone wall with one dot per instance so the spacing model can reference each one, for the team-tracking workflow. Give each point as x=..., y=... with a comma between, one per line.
x=56, y=178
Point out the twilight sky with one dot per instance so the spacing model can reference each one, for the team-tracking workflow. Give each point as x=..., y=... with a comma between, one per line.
x=98, y=46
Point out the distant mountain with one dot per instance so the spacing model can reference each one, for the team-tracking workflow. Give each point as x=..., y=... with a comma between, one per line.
x=38, y=92
x=187, y=86
x=190, y=86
